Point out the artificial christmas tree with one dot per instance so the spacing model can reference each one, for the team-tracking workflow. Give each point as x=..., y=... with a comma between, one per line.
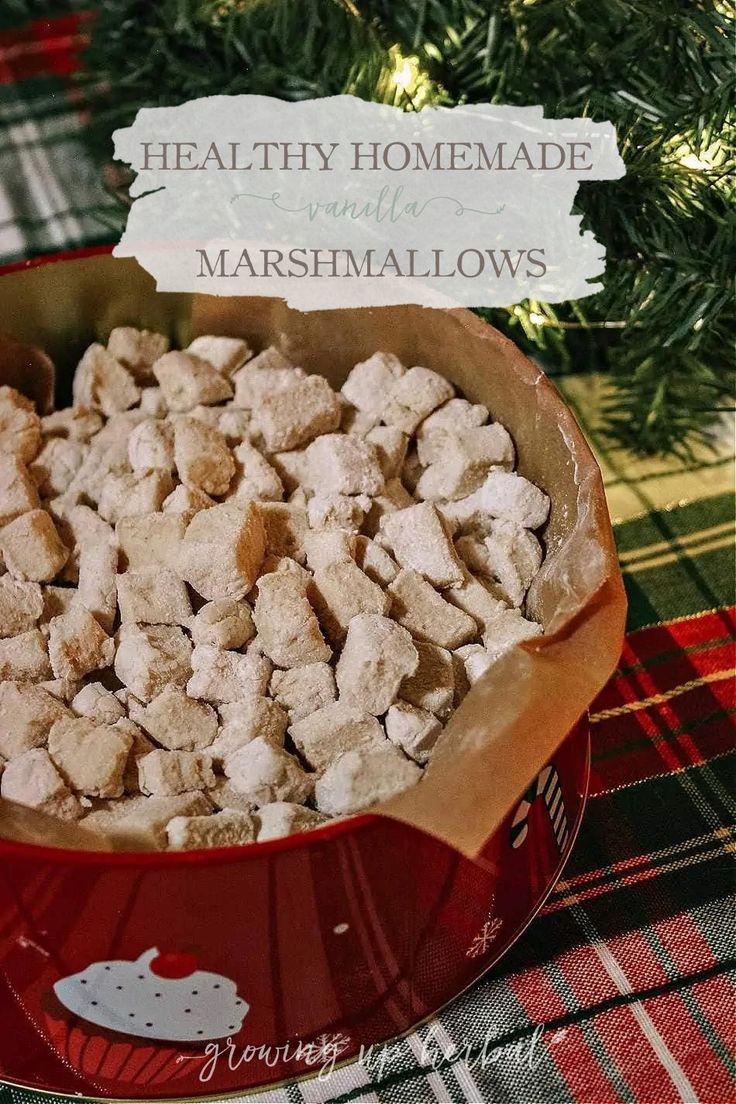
x=660, y=70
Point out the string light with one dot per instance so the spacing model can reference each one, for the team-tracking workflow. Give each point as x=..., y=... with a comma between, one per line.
x=705, y=160
x=406, y=74
x=407, y=81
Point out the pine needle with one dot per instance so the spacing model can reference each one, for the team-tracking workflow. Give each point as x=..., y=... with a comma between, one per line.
x=661, y=70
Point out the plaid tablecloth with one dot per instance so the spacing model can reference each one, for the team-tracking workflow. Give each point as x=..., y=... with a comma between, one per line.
x=621, y=990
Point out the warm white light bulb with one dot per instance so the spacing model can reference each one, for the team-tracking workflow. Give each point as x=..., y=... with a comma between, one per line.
x=403, y=75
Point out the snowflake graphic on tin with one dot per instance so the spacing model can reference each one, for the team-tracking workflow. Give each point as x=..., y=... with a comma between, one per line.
x=481, y=942
x=326, y=1048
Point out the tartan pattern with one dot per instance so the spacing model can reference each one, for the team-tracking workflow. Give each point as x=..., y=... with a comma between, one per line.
x=51, y=195
x=621, y=990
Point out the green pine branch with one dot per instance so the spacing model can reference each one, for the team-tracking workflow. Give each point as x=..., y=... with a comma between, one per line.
x=660, y=70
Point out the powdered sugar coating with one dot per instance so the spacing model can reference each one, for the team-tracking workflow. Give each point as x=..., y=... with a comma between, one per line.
x=255, y=590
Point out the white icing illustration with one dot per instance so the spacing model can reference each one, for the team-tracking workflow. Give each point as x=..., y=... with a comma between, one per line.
x=157, y=996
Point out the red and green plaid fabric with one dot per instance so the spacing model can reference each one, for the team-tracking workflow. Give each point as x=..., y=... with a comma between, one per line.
x=621, y=990
x=51, y=195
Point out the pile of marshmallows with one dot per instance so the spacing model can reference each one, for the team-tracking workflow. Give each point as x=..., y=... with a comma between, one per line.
x=235, y=602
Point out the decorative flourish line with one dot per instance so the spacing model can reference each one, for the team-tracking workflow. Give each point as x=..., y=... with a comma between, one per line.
x=369, y=208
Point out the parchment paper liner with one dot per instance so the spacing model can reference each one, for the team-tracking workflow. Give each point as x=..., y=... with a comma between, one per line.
x=513, y=719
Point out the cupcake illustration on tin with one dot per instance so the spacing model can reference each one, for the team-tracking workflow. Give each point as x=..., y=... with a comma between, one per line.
x=157, y=996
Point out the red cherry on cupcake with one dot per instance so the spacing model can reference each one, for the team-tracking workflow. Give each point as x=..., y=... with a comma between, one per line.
x=173, y=965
